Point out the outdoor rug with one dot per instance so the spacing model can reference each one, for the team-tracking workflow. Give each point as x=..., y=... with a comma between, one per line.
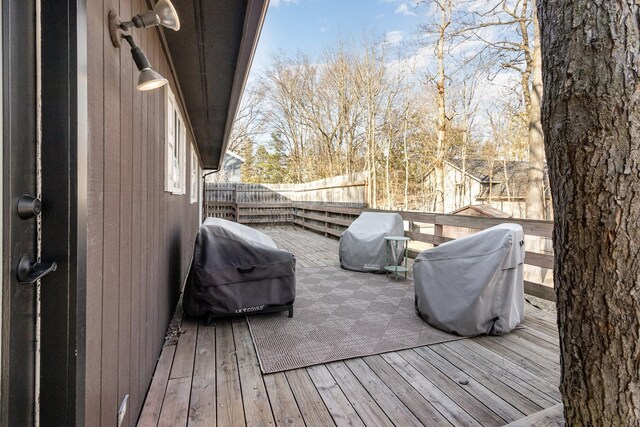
x=340, y=314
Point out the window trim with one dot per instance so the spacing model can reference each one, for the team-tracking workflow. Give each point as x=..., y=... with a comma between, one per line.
x=175, y=146
x=193, y=181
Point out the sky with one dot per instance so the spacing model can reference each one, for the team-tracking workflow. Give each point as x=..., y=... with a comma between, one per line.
x=311, y=25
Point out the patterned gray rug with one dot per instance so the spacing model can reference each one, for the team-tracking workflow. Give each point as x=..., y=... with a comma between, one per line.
x=338, y=315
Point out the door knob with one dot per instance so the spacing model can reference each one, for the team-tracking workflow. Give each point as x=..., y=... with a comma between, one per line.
x=28, y=206
x=30, y=271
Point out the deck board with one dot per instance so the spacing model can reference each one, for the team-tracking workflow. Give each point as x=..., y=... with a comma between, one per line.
x=211, y=376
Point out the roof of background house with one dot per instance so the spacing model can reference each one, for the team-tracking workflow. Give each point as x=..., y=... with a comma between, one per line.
x=231, y=154
x=211, y=56
x=492, y=175
x=480, y=210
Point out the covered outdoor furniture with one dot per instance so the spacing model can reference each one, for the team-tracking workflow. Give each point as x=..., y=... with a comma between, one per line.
x=473, y=285
x=363, y=246
x=238, y=270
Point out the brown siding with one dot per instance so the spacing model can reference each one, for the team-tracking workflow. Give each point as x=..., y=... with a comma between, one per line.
x=140, y=238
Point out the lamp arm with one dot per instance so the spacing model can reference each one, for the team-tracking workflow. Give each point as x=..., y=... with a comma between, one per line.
x=124, y=26
x=147, y=19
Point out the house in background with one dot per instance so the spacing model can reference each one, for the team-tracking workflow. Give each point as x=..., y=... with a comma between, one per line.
x=233, y=167
x=231, y=170
x=101, y=192
x=501, y=185
x=482, y=211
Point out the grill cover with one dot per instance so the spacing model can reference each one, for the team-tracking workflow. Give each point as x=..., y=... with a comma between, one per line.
x=473, y=285
x=362, y=245
x=237, y=269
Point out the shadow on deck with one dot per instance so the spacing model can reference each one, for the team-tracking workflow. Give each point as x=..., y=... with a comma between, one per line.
x=209, y=375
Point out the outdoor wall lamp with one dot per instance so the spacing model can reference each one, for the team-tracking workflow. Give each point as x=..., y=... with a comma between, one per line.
x=164, y=14
x=148, y=78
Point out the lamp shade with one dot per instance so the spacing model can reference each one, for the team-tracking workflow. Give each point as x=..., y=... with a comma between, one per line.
x=167, y=15
x=150, y=79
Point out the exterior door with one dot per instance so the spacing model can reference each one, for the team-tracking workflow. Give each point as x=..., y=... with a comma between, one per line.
x=19, y=234
x=43, y=256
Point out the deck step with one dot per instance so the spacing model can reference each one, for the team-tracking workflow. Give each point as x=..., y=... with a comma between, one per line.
x=550, y=417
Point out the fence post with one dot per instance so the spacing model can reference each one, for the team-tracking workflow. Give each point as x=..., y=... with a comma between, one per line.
x=437, y=230
x=235, y=204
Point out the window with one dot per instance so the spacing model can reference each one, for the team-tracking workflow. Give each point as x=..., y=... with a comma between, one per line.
x=195, y=178
x=176, y=134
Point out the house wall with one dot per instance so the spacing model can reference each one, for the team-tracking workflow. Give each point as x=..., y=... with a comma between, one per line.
x=459, y=189
x=140, y=238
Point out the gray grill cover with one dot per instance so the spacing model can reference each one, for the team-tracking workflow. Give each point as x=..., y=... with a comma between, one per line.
x=237, y=269
x=362, y=245
x=473, y=285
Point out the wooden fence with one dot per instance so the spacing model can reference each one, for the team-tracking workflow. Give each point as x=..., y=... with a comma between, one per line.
x=272, y=203
x=330, y=206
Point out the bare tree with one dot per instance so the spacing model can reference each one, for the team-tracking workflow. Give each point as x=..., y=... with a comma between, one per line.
x=250, y=120
x=519, y=50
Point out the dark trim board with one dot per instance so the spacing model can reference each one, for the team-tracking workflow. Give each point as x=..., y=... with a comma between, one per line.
x=64, y=189
x=19, y=147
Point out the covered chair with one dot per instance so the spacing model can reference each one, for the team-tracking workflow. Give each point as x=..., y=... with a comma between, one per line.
x=473, y=285
x=238, y=270
x=362, y=245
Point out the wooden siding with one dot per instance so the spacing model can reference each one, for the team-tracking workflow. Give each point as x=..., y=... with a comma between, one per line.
x=140, y=238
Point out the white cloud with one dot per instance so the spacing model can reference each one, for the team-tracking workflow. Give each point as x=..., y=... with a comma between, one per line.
x=324, y=29
x=394, y=37
x=404, y=9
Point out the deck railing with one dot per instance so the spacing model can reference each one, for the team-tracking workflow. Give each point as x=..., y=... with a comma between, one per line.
x=426, y=227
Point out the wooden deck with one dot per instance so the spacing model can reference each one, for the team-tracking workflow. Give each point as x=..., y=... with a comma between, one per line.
x=209, y=375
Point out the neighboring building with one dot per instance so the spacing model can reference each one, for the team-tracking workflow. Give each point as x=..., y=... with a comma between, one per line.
x=483, y=211
x=233, y=167
x=501, y=185
x=119, y=175
x=231, y=170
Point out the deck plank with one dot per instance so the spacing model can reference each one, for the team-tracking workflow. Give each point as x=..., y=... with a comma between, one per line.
x=341, y=410
x=202, y=407
x=471, y=371
x=155, y=396
x=388, y=401
x=175, y=408
x=531, y=362
x=185, y=350
x=447, y=407
x=550, y=417
x=312, y=407
x=369, y=411
x=283, y=402
x=517, y=377
x=230, y=410
x=257, y=410
x=475, y=388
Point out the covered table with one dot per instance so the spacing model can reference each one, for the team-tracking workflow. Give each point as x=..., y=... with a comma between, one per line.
x=473, y=285
x=238, y=270
x=363, y=246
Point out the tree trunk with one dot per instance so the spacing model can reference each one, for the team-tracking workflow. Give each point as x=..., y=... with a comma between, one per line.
x=406, y=160
x=591, y=120
x=387, y=166
x=442, y=112
x=535, y=204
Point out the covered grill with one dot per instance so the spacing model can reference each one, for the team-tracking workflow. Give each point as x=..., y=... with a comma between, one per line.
x=238, y=270
x=473, y=285
x=362, y=245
